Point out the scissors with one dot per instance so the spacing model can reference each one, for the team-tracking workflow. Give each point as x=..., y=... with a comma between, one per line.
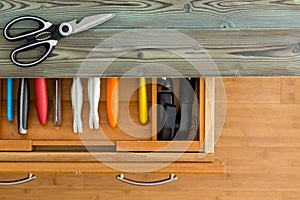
x=47, y=35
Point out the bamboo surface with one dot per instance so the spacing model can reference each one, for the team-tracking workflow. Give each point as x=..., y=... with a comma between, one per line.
x=259, y=144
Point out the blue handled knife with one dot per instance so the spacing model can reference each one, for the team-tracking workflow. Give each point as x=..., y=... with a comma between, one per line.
x=10, y=97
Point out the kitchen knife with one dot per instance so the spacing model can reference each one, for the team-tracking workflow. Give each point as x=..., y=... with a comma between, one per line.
x=186, y=100
x=143, y=104
x=57, y=102
x=94, y=98
x=77, y=102
x=23, y=104
x=10, y=103
x=112, y=101
x=41, y=99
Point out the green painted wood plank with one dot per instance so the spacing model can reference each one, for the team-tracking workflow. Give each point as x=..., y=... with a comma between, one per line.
x=242, y=53
x=180, y=14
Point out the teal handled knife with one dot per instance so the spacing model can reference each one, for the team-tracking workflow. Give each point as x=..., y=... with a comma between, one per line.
x=10, y=99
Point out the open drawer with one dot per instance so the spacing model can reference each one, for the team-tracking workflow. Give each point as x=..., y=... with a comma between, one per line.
x=130, y=147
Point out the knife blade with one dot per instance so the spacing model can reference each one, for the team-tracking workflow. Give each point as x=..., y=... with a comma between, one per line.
x=57, y=120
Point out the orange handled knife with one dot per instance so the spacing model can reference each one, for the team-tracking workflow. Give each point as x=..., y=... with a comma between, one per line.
x=112, y=101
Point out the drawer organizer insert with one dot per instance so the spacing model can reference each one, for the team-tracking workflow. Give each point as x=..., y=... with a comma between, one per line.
x=129, y=135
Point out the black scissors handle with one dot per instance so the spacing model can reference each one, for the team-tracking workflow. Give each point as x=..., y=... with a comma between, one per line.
x=47, y=44
x=43, y=25
x=44, y=36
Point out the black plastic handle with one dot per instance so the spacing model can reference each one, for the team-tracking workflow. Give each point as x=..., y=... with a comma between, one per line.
x=23, y=105
x=186, y=99
x=43, y=25
x=47, y=44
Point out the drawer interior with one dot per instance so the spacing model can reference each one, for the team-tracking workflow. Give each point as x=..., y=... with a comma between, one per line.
x=129, y=135
x=36, y=131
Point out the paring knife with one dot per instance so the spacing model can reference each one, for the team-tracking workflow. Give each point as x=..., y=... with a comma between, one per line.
x=94, y=98
x=23, y=105
x=10, y=103
x=41, y=99
x=143, y=104
x=57, y=102
x=112, y=101
x=77, y=100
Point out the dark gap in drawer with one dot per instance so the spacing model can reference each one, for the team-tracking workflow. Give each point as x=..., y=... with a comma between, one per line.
x=75, y=148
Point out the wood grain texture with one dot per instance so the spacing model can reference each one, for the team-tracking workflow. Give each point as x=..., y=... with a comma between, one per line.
x=232, y=52
x=258, y=165
x=215, y=167
x=241, y=90
x=193, y=14
x=209, y=141
x=154, y=109
x=202, y=112
x=93, y=194
x=183, y=146
x=103, y=156
x=15, y=145
x=290, y=90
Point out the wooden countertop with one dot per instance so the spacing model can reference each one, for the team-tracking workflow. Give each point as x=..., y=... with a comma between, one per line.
x=237, y=38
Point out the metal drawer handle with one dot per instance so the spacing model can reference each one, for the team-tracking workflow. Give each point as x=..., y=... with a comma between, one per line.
x=121, y=177
x=30, y=177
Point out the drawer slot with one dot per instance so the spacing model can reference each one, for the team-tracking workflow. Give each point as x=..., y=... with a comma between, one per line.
x=176, y=146
x=140, y=138
x=49, y=133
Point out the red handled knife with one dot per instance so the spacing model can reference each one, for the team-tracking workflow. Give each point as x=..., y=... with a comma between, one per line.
x=41, y=99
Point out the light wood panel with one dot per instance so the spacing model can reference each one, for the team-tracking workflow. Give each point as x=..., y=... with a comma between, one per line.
x=183, y=146
x=290, y=90
x=258, y=165
x=291, y=195
x=202, y=112
x=215, y=167
x=209, y=141
x=95, y=194
x=249, y=90
x=259, y=144
x=15, y=145
x=104, y=157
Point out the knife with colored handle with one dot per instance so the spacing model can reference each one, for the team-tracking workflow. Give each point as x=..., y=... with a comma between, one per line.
x=77, y=101
x=143, y=104
x=94, y=98
x=57, y=102
x=186, y=100
x=112, y=101
x=41, y=99
x=23, y=105
x=10, y=103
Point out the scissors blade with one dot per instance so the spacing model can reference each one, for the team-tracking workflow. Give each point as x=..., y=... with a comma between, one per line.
x=89, y=22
